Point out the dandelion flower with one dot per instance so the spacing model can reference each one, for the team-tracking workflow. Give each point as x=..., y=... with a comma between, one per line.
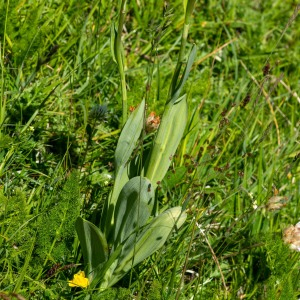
x=79, y=280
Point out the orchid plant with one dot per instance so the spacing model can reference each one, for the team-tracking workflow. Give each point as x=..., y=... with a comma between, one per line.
x=132, y=228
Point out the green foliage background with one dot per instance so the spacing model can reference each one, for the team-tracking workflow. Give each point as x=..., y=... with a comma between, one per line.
x=241, y=146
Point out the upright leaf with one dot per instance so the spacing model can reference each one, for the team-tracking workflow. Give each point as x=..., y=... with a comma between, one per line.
x=113, y=34
x=126, y=144
x=176, y=90
x=129, y=136
x=166, y=142
x=93, y=245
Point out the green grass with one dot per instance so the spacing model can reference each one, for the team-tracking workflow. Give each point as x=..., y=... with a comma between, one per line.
x=240, y=148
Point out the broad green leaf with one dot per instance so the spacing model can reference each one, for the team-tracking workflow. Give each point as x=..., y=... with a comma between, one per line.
x=167, y=140
x=150, y=240
x=126, y=144
x=129, y=136
x=170, y=130
x=133, y=209
x=107, y=218
x=93, y=245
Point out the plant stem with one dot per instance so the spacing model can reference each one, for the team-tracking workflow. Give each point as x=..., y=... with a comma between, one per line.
x=120, y=60
x=2, y=60
x=186, y=27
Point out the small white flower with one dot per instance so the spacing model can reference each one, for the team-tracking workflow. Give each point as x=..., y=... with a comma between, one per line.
x=254, y=204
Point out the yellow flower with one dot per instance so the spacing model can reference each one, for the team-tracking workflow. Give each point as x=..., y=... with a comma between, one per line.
x=79, y=280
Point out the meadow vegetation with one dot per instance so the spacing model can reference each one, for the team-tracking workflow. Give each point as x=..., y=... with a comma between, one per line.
x=73, y=72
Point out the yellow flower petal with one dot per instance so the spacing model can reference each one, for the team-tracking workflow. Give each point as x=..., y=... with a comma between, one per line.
x=79, y=280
